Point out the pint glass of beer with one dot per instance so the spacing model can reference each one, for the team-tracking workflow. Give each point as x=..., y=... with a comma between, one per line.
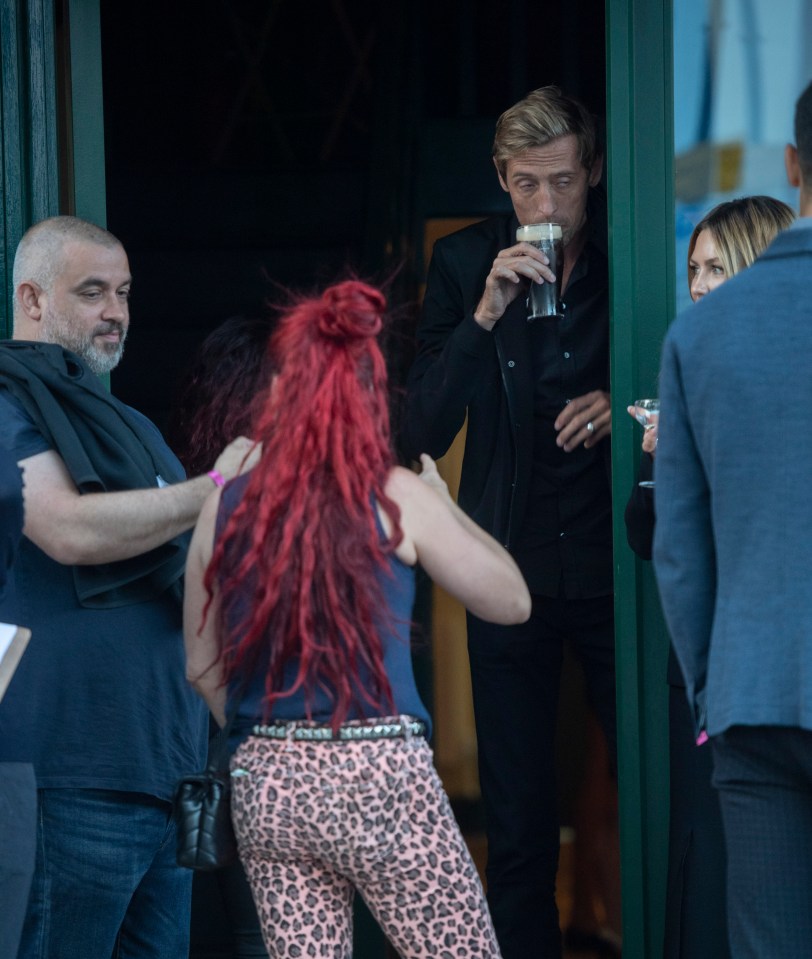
x=545, y=298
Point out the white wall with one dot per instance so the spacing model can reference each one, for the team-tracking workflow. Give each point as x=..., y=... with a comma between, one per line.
x=739, y=66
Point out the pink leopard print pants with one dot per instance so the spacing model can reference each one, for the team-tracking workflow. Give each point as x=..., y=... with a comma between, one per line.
x=317, y=820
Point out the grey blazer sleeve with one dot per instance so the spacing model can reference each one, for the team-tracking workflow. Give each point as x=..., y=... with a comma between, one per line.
x=684, y=552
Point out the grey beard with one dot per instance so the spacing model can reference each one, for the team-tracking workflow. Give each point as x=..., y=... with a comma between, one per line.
x=99, y=361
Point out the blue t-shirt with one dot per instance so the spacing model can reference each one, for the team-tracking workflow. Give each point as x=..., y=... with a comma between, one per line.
x=100, y=699
x=398, y=585
x=11, y=512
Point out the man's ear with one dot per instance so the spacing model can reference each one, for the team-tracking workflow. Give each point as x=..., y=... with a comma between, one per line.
x=792, y=164
x=501, y=178
x=31, y=300
x=596, y=172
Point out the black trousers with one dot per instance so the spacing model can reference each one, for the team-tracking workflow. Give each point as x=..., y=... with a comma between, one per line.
x=224, y=921
x=695, y=915
x=224, y=918
x=764, y=778
x=515, y=672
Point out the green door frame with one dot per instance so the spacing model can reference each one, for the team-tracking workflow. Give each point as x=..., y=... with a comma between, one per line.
x=51, y=122
x=640, y=160
x=29, y=175
x=84, y=192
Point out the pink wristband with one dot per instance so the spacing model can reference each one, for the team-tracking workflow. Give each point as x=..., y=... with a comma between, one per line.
x=216, y=477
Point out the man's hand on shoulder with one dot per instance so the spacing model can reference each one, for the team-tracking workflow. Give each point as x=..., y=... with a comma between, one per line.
x=238, y=457
x=108, y=527
x=506, y=280
x=430, y=475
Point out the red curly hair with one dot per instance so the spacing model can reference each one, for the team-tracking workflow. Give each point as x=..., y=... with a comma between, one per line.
x=302, y=551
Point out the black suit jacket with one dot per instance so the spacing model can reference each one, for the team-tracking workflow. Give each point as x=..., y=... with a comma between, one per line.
x=639, y=513
x=461, y=368
x=640, y=519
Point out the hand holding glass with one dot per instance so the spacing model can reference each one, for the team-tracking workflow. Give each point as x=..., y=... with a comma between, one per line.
x=544, y=299
x=647, y=413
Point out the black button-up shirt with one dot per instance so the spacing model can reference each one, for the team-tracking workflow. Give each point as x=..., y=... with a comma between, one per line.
x=565, y=547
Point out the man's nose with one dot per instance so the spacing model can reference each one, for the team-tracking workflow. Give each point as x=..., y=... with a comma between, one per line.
x=546, y=206
x=115, y=308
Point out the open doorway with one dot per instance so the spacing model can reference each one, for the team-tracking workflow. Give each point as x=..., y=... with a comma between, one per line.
x=256, y=147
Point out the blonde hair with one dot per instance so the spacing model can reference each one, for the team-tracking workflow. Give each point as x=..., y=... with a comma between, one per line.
x=544, y=115
x=742, y=229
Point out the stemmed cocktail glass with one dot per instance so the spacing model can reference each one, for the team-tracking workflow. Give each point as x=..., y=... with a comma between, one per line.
x=647, y=413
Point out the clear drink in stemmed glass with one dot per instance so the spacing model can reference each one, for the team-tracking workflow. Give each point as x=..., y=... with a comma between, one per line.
x=647, y=413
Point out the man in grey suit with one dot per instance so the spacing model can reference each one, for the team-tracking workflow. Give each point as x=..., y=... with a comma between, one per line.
x=733, y=557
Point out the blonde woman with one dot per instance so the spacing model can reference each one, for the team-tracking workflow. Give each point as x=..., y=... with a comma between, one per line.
x=724, y=242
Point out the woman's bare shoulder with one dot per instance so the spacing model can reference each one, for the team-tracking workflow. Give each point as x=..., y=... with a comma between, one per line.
x=407, y=490
x=402, y=481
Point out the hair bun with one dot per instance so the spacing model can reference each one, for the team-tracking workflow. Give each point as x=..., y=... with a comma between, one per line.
x=351, y=310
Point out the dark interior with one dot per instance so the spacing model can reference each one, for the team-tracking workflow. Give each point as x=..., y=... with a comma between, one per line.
x=256, y=146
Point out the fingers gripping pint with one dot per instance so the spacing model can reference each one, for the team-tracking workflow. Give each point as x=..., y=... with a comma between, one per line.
x=545, y=298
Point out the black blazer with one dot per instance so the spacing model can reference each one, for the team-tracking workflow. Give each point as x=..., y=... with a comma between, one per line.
x=639, y=513
x=461, y=368
x=640, y=519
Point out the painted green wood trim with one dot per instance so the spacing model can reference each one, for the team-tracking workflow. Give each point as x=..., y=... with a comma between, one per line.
x=83, y=99
x=10, y=157
x=43, y=162
x=28, y=149
x=85, y=112
x=641, y=210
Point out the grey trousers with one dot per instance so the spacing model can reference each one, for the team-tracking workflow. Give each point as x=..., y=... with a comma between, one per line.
x=764, y=778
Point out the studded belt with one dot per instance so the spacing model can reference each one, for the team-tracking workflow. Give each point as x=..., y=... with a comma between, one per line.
x=346, y=732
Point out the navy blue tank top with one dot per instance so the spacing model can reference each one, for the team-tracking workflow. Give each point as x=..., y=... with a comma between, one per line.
x=397, y=583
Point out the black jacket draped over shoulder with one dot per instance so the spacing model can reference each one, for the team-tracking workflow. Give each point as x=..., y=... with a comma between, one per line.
x=106, y=447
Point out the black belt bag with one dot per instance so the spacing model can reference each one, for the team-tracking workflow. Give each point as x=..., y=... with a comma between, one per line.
x=202, y=811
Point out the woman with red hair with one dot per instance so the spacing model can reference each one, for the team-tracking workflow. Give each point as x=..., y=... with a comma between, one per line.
x=299, y=590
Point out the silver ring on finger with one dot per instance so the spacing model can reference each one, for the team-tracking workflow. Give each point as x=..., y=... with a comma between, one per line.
x=590, y=427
